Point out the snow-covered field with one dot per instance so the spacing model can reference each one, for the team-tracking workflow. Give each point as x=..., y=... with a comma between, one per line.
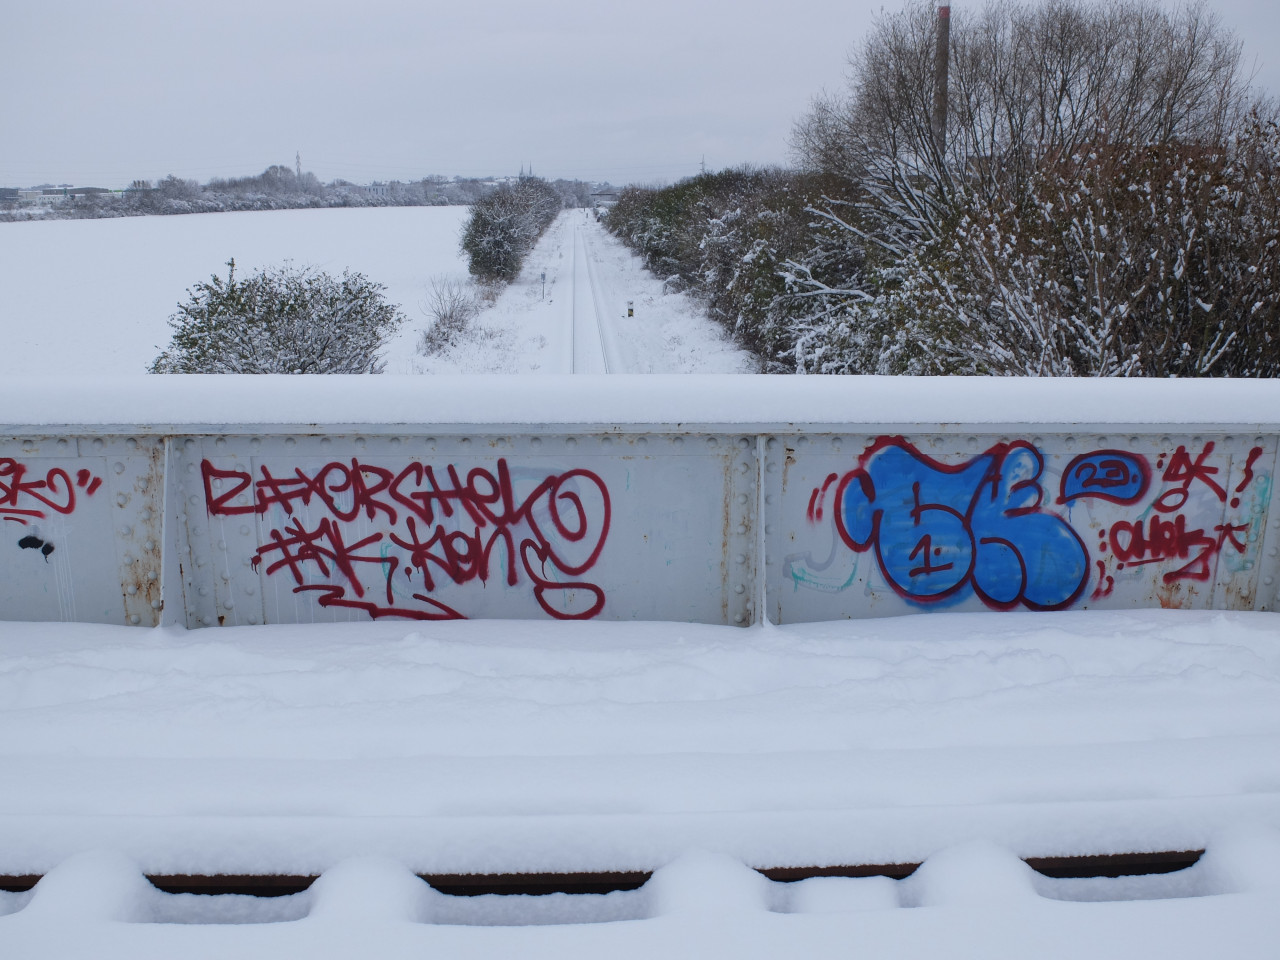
x=93, y=296
x=84, y=297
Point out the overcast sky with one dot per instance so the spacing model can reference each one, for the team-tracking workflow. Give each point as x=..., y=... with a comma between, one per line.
x=99, y=92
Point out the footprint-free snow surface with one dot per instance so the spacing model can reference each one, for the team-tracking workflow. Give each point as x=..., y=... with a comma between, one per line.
x=370, y=753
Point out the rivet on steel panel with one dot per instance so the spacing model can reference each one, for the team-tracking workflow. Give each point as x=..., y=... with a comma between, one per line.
x=119, y=468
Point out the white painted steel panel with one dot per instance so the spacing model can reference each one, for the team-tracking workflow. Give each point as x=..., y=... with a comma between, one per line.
x=875, y=525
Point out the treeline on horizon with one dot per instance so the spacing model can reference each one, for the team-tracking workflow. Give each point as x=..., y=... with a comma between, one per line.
x=1103, y=199
x=282, y=188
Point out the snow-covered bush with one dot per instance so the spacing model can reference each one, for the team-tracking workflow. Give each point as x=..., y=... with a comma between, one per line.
x=503, y=227
x=734, y=239
x=280, y=320
x=452, y=303
x=1103, y=201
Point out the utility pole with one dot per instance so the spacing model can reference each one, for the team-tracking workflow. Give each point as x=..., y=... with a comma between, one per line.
x=298, y=161
x=941, y=61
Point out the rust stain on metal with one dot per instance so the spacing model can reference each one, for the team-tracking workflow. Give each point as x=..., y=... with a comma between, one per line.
x=1239, y=593
x=726, y=527
x=142, y=560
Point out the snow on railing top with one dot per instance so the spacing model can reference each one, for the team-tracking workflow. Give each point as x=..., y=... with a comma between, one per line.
x=375, y=404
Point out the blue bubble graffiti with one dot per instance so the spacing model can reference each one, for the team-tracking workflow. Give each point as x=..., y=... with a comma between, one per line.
x=1114, y=475
x=941, y=531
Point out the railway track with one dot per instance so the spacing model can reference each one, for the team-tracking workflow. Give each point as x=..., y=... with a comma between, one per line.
x=588, y=350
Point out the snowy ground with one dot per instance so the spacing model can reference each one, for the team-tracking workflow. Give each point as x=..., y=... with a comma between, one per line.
x=537, y=327
x=91, y=297
x=369, y=753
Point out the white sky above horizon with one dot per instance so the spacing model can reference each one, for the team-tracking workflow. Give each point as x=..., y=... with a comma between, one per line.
x=101, y=93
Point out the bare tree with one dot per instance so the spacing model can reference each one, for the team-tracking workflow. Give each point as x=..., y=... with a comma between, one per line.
x=1074, y=130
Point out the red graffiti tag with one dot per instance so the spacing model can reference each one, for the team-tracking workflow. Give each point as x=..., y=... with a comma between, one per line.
x=1247, y=478
x=1169, y=539
x=436, y=525
x=23, y=499
x=1183, y=471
